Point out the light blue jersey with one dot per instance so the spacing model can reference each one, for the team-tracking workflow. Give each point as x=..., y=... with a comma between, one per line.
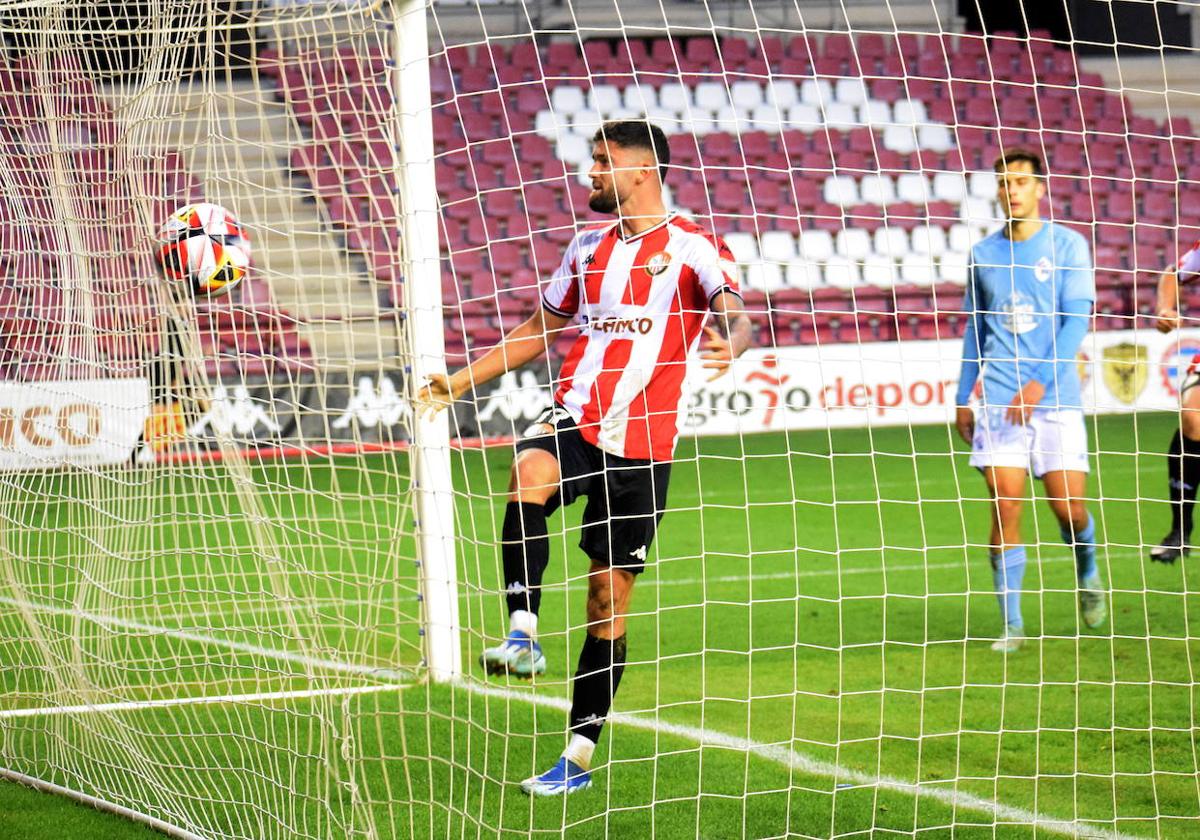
x=1021, y=295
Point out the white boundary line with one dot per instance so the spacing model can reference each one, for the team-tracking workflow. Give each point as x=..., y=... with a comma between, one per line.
x=387, y=674
x=784, y=756
x=170, y=702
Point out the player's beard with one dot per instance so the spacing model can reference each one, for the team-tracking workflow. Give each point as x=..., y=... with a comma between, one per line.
x=605, y=201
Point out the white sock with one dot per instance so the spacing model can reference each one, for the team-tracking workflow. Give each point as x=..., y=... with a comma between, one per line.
x=579, y=751
x=523, y=620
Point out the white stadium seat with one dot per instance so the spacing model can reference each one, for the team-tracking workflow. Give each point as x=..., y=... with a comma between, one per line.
x=913, y=187
x=640, y=98
x=900, y=138
x=728, y=120
x=873, y=112
x=851, y=91
x=574, y=149
x=746, y=95
x=936, y=138
x=567, y=99
x=699, y=121
x=840, y=115
x=585, y=122
x=979, y=212
x=917, y=269
x=604, y=98
x=878, y=189
x=803, y=274
x=764, y=276
x=551, y=124
x=804, y=117
x=816, y=246
x=665, y=118
x=743, y=245
x=891, y=242
x=841, y=190
x=929, y=239
x=778, y=246
x=962, y=237
x=766, y=118
x=781, y=92
x=953, y=267
x=841, y=273
x=853, y=243
x=909, y=112
x=982, y=185
x=816, y=92
x=675, y=97
x=879, y=271
x=711, y=95
x=949, y=186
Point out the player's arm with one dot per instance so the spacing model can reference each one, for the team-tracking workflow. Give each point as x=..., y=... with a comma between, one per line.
x=1167, y=308
x=724, y=345
x=974, y=339
x=520, y=345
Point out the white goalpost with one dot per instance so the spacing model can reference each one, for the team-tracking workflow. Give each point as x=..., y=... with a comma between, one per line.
x=248, y=590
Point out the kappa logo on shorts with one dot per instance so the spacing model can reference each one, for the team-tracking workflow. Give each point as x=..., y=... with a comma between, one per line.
x=639, y=553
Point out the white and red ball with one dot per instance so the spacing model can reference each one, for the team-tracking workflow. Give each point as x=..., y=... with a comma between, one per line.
x=206, y=247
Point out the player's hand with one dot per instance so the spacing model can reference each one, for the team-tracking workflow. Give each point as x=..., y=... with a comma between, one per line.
x=1025, y=402
x=717, y=353
x=1168, y=320
x=437, y=394
x=964, y=421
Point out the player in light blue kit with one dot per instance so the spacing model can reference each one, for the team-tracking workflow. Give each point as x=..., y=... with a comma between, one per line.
x=1029, y=300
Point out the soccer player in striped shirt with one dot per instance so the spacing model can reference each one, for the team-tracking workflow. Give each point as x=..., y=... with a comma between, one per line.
x=639, y=291
x=1183, y=459
x=1030, y=292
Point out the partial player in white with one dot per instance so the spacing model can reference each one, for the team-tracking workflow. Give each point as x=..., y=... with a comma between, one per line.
x=1029, y=298
x=1183, y=458
x=639, y=290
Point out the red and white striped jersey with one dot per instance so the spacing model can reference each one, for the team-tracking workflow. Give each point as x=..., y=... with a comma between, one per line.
x=640, y=304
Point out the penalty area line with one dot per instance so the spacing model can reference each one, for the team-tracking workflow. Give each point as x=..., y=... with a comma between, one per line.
x=797, y=761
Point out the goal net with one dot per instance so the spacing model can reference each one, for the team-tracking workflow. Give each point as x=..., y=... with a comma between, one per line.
x=244, y=587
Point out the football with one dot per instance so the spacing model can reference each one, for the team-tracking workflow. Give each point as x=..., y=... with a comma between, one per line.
x=204, y=247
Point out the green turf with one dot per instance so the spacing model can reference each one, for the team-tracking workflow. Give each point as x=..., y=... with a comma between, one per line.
x=825, y=595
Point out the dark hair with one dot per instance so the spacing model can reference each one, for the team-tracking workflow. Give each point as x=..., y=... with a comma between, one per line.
x=1019, y=154
x=637, y=134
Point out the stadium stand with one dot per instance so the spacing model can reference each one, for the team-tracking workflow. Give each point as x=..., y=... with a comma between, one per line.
x=41, y=336
x=850, y=185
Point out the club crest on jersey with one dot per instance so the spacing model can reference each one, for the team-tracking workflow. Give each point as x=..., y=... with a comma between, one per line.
x=658, y=263
x=1043, y=269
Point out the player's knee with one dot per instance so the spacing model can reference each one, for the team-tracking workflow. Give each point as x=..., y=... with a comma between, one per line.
x=1189, y=421
x=1009, y=510
x=534, y=476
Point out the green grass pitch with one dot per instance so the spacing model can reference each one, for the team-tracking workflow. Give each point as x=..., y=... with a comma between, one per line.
x=816, y=601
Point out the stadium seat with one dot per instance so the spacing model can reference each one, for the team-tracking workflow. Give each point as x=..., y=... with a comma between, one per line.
x=878, y=189
x=766, y=118
x=949, y=186
x=640, y=98
x=842, y=272
x=778, y=246
x=900, y=138
x=676, y=97
x=805, y=117
x=746, y=95
x=961, y=238
x=764, y=276
x=853, y=243
x=744, y=246
x=879, y=271
x=917, y=269
x=952, y=268
x=782, y=93
x=874, y=113
x=604, y=99
x=711, y=96
x=567, y=99
x=909, y=112
x=914, y=188
x=929, y=240
x=851, y=91
x=935, y=137
x=982, y=185
x=816, y=246
x=840, y=115
x=891, y=242
x=818, y=92
x=841, y=190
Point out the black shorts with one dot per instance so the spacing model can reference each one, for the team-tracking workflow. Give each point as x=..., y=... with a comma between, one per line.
x=626, y=496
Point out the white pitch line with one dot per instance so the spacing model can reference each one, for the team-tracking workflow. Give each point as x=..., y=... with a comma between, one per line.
x=170, y=702
x=793, y=760
x=388, y=674
x=771, y=752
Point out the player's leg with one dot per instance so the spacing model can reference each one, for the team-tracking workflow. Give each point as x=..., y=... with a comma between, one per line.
x=1065, y=491
x=524, y=554
x=619, y=525
x=1183, y=472
x=1007, y=552
x=544, y=475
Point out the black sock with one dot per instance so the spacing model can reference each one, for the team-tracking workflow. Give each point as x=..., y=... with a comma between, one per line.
x=601, y=664
x=1183, y=465
x=525, y=551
